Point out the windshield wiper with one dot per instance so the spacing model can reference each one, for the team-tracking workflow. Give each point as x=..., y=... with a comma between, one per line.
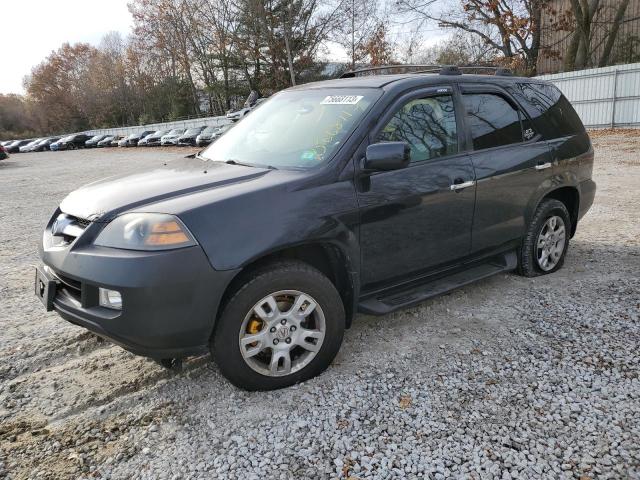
x=257, y=165
x=231, y=161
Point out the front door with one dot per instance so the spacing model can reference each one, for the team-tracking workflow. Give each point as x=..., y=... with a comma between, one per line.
x=419, y=217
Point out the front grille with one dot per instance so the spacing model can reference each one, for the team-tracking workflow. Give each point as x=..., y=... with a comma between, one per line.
x=82, y=222
x=68, y=227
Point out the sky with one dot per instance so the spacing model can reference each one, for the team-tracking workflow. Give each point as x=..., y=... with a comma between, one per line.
x=32, y=29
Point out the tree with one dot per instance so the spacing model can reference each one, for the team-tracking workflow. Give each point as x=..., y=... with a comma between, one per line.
x=377, y=50
x=62, y=86
x=356, y=23
x=459, y=49
x=511, y=27
x=593, y=35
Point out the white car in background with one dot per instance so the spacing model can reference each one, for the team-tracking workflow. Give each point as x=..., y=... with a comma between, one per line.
x=172, y=137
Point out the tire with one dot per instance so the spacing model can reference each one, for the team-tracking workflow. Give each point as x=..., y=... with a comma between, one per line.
x=279, y=282
x=530, y=253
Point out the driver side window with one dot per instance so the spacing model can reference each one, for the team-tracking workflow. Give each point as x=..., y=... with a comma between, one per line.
x=427, y=125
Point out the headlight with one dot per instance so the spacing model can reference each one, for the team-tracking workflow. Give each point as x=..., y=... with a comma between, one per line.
x=145, y=231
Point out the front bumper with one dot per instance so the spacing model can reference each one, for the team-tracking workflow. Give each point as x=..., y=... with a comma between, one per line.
x=169, y=298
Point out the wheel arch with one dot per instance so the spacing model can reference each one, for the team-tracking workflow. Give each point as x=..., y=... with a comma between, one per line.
x=570, y=197
x=328, y=258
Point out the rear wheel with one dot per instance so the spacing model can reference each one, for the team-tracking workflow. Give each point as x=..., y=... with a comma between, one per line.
x=284, y=325
x=546, y=241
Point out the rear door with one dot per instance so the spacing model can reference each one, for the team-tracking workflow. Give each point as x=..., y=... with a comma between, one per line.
x=411, y=219
x=511, y=162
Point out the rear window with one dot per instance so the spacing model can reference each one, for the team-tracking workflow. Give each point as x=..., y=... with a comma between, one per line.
x=551, y=112
x=492, y=120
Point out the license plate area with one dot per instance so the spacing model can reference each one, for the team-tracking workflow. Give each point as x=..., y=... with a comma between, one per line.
x=45, y=288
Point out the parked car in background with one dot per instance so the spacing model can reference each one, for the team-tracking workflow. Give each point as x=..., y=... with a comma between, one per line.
x=14, y=147
x=188, y=138
x=115, y=141
x=106, y=141
x=3, y=152
x=204, y=138
x=221, y=131
x=43, y=145
x=153, y=140
x=123, y=142
x=29, y=146
x=134, y=138
x=54, y=145
x=71, y=142
x=144, y=141
x=93, y=141
x=171, y=138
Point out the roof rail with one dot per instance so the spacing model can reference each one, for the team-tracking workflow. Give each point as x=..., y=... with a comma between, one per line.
x=440, y=69
x=372, y=70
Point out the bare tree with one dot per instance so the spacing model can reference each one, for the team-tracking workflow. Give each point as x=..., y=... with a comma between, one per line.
x=508, y=26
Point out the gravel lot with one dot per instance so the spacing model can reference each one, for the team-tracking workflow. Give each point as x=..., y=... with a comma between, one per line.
x=506, y=378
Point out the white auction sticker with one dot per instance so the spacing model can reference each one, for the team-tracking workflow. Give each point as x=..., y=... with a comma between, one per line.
x=341, y=99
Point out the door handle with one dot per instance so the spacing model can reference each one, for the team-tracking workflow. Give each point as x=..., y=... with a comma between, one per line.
x=543, y=166
x=462, y=185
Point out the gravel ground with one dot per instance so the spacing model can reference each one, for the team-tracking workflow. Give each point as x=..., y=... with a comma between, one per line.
x=507, y=378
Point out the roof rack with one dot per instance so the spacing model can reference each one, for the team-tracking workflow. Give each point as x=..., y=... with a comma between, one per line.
x=439, y=69
x=374, y=70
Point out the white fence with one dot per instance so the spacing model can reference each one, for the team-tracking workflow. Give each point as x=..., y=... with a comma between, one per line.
x=193, y=122
x=603, y=97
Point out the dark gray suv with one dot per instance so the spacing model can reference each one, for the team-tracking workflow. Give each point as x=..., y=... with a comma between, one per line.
x=364, y=194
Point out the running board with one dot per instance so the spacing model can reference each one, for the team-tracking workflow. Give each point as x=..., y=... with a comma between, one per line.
x=389, y=301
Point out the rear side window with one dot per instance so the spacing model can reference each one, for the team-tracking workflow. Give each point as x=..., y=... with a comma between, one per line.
x=428, y=125
x=550, y=110
x=492, y=120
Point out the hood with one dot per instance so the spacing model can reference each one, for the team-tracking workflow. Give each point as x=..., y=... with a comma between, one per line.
x=104, y=199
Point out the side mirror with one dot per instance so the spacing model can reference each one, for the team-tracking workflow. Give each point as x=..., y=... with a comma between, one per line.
x=387, y=156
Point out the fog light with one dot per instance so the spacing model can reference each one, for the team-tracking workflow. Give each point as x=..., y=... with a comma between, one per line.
x=110, y=298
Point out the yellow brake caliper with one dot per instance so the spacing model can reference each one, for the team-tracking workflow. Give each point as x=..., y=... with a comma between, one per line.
x=253, y=327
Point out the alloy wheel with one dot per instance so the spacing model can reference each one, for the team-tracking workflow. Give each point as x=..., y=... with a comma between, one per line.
x=550, y=243
x=282, y=333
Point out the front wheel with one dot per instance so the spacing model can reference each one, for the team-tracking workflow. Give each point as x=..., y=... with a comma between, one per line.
x=546, y=241
x=284, y=325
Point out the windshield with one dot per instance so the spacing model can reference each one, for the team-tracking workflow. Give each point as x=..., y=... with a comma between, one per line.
x=96, y=138
x=176, y=131
x=193, y=131
x=209, y=130
x=295, y=128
